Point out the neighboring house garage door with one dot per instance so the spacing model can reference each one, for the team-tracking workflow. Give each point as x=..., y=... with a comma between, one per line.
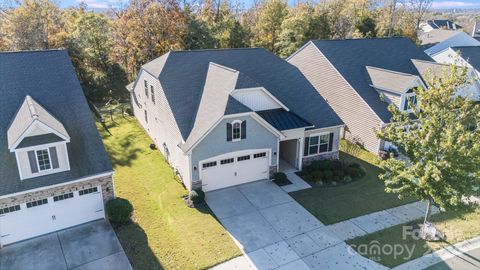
x=234, y=169
x=50, y=214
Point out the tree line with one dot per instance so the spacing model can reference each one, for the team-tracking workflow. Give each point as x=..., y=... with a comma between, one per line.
x=107, y=48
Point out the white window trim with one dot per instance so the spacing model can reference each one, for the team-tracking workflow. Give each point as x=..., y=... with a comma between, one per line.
x=49, y=160
x=318, y=146
x=405, y=99
x=240, y=130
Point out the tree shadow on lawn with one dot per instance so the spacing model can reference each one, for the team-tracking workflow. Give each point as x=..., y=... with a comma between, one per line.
x=122, y=152
x=135, y=244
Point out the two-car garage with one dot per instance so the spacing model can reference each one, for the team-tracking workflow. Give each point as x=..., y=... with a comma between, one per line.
x=45, y=215
x=234, y=168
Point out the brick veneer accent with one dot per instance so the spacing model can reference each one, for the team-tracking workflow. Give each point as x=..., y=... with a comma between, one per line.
x=106, y=182
x=273, y=169
x=308, y=160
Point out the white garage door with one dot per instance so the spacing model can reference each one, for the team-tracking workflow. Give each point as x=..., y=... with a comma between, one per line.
x=51, y=214
x=234, y=169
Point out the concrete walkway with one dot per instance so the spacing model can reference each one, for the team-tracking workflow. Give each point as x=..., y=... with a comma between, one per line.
x=297, y=183
x=377, y=221
x=275, y=232
x=463, y=255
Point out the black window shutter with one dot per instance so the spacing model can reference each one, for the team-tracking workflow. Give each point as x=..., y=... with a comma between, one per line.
x=33, y=161
x=305, y=149
x=229, y=132
x=54, y=157
x=330, y=142
x=244, y=130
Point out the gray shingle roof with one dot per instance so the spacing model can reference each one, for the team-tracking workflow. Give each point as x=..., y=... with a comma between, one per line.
x=184, y=72
x=390, y=80
x=29, y=112
x=48, y=77
x=351, y=57
x=436, y=36
x=443, y=24
x=283, y=120
x=39, y=140
x=471, y=54
x=234, y=106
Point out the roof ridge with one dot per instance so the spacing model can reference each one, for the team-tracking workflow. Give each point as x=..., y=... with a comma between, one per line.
x=391, y=71
x=216, y=49
x=31, y=106
x=34, y=51
x=375, y=38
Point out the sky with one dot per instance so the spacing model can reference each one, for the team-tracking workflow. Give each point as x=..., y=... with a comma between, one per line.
x=437, y=4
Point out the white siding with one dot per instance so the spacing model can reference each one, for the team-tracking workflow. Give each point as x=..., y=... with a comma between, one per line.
x=256, y=99
x=161, y=126
x=24, y=163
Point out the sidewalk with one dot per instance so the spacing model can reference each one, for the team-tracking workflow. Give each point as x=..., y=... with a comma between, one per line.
x=452, y=255
x=377, y=221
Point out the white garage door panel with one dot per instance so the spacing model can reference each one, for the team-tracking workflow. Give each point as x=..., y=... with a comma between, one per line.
x=50, y=217
x=236, y=173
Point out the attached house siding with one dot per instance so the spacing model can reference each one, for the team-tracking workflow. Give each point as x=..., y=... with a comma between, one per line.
x=215, y=143
x=334, y=154
x=393, y=98
x=361, y=122
x=161, y=125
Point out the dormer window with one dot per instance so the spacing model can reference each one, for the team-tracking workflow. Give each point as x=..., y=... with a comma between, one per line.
x=236, y=130
x=409, y=101
x=43, y=159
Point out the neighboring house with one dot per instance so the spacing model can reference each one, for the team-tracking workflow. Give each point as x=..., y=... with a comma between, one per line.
x=467, y=56
x=359, y=78
x=54, y=171
x=431, y=25
x=476, y=30
x=439, y=39
x=227, y=117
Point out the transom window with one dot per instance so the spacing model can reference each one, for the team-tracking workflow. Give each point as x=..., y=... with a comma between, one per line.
x=259, y=155
x=63, y=197
x=226, y=161
x=37, y=203
x=43, y=159
x=317, y=144
x=209, y=164
x=242, y=158
x=9, y=209
x=88, y=191
x=236, y=131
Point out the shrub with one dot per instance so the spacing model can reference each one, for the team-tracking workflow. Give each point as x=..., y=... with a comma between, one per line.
x=356, y=171
x=328, y=175
x=196, y=196
x=119, y=210
x=280, y=179
x=347, y=178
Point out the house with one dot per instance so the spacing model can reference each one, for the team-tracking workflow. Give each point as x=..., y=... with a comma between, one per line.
x=476, y=30
x=359, y=78
x=54, y=171
x=467, y=56
x=437, y=40
x=431, y=25
x=231, y=116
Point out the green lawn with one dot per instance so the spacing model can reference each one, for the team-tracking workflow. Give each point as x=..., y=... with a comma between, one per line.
x=334, y=204
x=457, y=226
x=165, y=234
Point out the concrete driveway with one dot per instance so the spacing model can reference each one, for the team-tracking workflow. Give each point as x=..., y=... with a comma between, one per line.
x=275, y=232
x=86, y=247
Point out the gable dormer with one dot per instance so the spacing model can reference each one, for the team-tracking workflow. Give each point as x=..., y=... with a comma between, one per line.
x=38, y=140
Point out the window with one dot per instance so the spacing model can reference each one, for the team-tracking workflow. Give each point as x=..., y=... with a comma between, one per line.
x=209, y=164
x=87, y=191
x=43, y=159
x=226, y=161
x=242, y=158
x=152, y=93
x=410, y=101
x=146, y=116
x=37, y=203
x=236, y=131
x=63, y=197
x=10, y=209
x=259, y=155
x=318, y=144
x=146, y=87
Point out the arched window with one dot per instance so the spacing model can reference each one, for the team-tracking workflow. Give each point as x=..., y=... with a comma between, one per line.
x=236, y=131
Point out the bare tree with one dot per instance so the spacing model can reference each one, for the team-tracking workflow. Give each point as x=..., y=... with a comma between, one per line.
x=419, y=7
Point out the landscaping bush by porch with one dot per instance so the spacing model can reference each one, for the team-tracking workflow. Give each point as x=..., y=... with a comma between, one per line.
x=332, y=172
x=281, y=179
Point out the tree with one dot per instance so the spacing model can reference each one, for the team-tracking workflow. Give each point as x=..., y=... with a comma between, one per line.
x=441, y=142
x=198, y=36
x=419, y=7
x=35, y=24
x=366, y=26
x=268, y=27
